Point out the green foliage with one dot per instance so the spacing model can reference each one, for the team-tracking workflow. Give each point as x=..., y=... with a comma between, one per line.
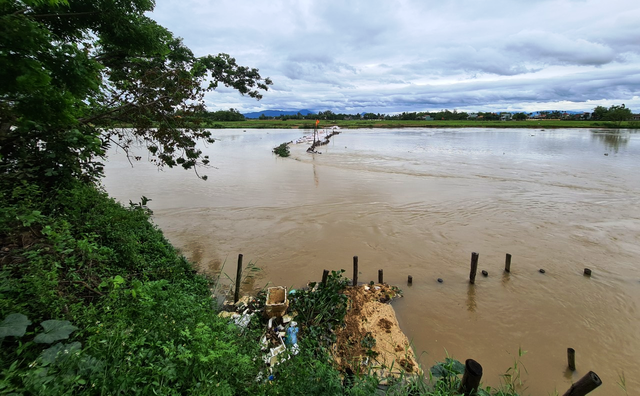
x=74, y=70
x=450, y=367
x=615, y=113
x=54, y=330
x=511, y=379
x=224, y=115
x=14, y=325
x=599, y=113
x=142, y=319
x=447, y=374
x=618, y=114
x=308, y=373
x=282, y=150
x=320, y=309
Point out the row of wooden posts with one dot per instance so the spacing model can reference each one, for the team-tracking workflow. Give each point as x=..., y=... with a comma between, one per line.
x=472, y=274
x=473, y=370
x=507, y=268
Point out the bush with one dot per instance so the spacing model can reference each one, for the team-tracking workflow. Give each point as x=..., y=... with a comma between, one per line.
x=282, y=150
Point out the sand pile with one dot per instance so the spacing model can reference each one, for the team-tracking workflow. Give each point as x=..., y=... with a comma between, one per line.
x=372, y=339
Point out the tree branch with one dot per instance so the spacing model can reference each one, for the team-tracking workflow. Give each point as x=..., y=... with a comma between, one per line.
x=99, y=116
x=68, y=14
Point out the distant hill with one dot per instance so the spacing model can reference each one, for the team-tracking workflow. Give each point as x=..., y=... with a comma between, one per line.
x=276, y=113
x=562, y=111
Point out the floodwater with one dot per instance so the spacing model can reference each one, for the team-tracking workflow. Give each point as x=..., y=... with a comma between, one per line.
x=418, y=202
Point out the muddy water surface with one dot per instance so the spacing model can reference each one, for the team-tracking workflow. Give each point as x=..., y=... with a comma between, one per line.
x=418, y=202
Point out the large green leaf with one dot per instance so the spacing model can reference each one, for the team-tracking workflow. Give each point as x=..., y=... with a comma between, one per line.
x=450, y=367
x=14, y=325
x=51, y=354
x=55, y=330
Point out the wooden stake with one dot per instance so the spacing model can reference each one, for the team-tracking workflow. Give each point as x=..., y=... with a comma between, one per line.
x=380, y=277
x=325, y=274
x=236, y=296
x=355, y=270
x=471, y=378
x=587, y=272
x=474, y=267
x=507, y=263
x=584, y=385
x=410, y=280
x=571, y=358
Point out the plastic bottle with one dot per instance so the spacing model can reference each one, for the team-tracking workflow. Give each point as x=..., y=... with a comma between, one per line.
x=292, y=334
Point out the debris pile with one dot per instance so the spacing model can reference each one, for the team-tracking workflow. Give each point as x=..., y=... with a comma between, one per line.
x=280, y=334
x=369, y=341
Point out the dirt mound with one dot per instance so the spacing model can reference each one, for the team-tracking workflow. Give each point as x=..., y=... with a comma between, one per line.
x=371, y=338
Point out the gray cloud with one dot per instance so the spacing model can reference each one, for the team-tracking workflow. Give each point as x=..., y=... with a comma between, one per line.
x=385, y=56
x=554, y=48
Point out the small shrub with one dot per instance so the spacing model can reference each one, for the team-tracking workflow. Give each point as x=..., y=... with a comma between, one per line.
x=282, y=150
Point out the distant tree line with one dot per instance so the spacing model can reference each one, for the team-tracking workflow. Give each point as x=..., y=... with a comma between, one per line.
x=614, y=113
x=224, y=115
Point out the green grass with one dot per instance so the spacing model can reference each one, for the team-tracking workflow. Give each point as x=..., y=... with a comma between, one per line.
x=359, y=124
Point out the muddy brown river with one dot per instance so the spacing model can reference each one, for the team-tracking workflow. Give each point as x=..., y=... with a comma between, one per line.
x=418, y=202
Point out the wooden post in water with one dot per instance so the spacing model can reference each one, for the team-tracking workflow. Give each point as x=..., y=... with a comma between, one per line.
x=584, y=385
x=474, y=267
x=410, y=280
x=355, y=270
x=507, y=263
x=236, y=295
x=587, y=272
x=471, y=378
x=380, y=277
x=325, y=274
x=571, y=358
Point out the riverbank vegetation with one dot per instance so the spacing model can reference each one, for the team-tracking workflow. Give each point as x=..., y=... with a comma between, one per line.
x=364, y=124
x=282, y=150
x=124, y=313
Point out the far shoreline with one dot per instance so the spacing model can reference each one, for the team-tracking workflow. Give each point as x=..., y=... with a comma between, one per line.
x=394, y=124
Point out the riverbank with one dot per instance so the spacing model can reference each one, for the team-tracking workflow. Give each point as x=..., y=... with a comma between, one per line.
x=95, y=300
x=385, y=124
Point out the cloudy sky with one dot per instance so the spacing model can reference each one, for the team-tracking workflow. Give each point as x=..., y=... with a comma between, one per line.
x=411, y=55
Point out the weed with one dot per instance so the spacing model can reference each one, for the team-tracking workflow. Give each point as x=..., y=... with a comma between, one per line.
x=512, y=380
x=622, y=382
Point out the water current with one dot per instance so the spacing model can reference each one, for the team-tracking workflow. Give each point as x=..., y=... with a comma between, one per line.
x=418, y=202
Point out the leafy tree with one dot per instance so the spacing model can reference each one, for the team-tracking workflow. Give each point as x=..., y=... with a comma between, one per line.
x=555, y=115
x=74, y=70
x=519, y=116
x=225, y=115
x=489, y=116
x=599, y=113
x=618, y=114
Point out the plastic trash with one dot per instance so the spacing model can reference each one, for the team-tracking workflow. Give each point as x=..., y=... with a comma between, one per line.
x=242, y=320
x=292, y=334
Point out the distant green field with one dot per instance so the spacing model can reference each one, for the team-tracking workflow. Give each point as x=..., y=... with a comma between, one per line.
x=355, y=124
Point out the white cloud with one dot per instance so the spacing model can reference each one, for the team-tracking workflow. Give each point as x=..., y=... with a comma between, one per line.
x=416, y=55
